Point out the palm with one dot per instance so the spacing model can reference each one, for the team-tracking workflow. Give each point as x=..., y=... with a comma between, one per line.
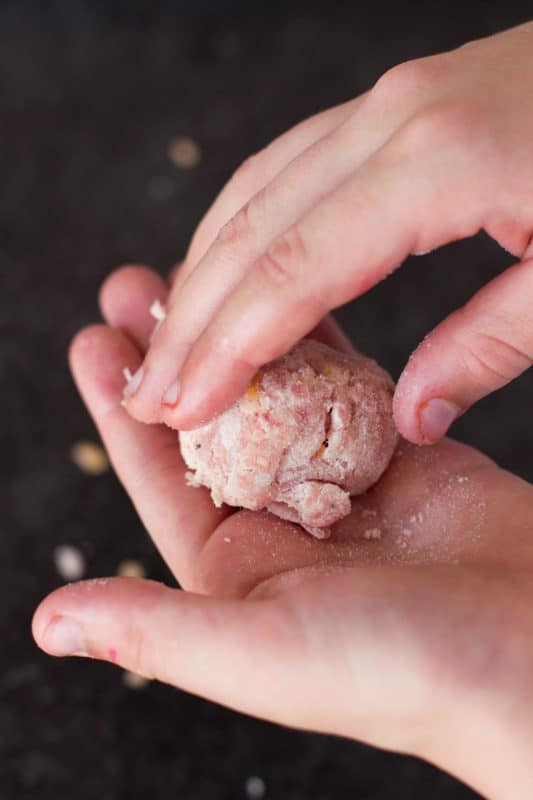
x=432, y=505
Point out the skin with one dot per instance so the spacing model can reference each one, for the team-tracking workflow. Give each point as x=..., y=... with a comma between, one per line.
x=416, y=642
x=438, y=149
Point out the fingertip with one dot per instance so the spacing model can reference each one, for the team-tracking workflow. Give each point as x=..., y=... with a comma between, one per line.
x=423, y=414
x=93, y=610
x=407, y=429
x=96, y=345
x=97, y=356
x=37, y=623
x=113, y=284
x=405, y=407
x=126, y=297
x=44, y=613
x=83, y=341
x=202, y=398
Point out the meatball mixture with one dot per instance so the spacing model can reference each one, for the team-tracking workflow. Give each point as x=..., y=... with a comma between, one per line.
x=313, y=428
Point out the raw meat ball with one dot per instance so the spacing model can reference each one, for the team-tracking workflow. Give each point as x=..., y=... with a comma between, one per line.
x=313, y=428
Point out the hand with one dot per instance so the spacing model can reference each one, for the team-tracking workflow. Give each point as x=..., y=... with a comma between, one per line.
x=418, y=641
x=438, y=149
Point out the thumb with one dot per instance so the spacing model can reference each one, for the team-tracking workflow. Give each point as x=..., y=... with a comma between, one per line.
x=247, y=655
x=473, y=352
x=348, y=653
x=322, y=657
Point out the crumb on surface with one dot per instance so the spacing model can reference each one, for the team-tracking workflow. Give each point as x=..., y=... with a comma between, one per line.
x=89, y=457
x=372, y=533
x=255, y=788
x=69, y=562
x=131, y=568
x=132, y=680
x=184, y=152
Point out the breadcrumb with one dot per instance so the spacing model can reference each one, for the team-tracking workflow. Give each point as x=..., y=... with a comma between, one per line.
x=69, y=562
x=184, y=152
x=131, y=568
x=255, y=788
x=132, y=680
x=90, y=457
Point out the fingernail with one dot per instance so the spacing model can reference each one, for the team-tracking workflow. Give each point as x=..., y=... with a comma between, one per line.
x=64, y=637
x=170, y=398
x=436, y=416
x=134, y=383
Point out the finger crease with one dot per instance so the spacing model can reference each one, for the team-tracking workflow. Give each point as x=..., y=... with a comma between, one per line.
x=506, y=354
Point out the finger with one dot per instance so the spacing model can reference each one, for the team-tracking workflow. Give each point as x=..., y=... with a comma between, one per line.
x=255, y=173
x=146, y=458
x=475, y=351
x=289, y=195
x=365, y=228
x=264, y=658
x=209, y=283
x=126, y=297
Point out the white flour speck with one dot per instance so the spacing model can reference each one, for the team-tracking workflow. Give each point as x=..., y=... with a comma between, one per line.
x=255, y=788
x=70, y=562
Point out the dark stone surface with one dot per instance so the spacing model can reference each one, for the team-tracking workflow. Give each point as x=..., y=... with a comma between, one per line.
x=91, y=94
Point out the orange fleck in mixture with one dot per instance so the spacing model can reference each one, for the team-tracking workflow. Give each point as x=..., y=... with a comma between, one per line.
x=253, y=390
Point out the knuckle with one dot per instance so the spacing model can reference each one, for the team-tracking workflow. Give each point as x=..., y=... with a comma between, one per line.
x=443, y=126
x=284, y=259
x=140, y=660
x=238, y=229
x=411, y=77
x=490, y=359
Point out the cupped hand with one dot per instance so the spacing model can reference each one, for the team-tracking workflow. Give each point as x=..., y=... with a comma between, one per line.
x=438, y=149
x=409, y=629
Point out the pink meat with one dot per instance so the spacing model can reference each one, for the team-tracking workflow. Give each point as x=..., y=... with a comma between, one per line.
x=314, y=427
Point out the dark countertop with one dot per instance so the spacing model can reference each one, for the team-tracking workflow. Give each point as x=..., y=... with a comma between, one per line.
x=90, y=100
